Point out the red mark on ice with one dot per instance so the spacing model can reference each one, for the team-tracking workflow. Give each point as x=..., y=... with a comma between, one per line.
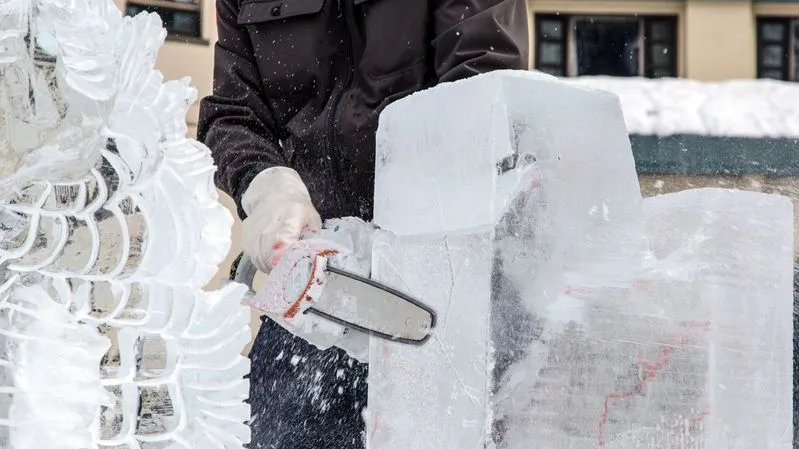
x=277, y=252
x=579, y=291
x=535, y=181
x=698, y=418
x=651, y=371
x=292, y=311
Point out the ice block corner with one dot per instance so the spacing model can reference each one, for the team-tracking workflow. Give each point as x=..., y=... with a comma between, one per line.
x=474, y=141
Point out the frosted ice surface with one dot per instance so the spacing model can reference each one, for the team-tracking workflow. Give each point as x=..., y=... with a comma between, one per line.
x=696, y=353
x=109, y=229
x=572, y=314
x=500, y=134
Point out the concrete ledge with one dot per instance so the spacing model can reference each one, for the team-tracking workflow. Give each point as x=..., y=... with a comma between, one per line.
x=707, y=155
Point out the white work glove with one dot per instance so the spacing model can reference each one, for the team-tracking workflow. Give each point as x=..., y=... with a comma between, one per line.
x=279, y=210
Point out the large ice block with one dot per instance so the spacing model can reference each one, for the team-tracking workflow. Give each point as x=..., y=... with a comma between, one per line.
x=488, y=243
x=570, y=315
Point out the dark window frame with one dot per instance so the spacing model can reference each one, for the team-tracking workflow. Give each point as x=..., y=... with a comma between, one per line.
x=787, y=42
x=650, y=68
x=164, y=7
x=540, y=37
x=646, y=23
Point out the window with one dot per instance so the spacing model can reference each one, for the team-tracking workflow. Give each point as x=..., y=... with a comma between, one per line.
x=181, y=17
x=777, y=48
x=606, y=45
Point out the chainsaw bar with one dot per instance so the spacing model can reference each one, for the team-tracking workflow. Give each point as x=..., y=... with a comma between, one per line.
x=347, y=299
x=368, y=306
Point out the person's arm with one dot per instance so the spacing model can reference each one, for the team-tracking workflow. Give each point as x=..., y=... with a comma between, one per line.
x=238, y=126
x=478, y=36
x=235, y=121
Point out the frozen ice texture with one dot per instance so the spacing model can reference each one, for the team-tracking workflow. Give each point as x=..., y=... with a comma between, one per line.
x=695, y=353
x=501, y=136
x=109, y=230
x=572, y=314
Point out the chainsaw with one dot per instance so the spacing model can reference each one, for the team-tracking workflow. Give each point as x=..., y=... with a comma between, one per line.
x=321, y=290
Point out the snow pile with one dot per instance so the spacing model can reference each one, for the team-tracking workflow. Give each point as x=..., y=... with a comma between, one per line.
x=740, y=108
x=109, y=229
x=572, y=313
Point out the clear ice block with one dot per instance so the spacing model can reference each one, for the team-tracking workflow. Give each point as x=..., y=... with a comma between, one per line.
x=695, y=353
x=570, y=314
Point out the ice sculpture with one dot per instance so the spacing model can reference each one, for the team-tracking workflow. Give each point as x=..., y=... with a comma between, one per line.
x=572, y=314
x=109, y=229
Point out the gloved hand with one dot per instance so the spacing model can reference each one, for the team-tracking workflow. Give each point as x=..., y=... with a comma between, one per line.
x=287, y=293
x=279, y=210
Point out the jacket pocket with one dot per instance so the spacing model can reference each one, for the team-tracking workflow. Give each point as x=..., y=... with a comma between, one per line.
x=260, y=11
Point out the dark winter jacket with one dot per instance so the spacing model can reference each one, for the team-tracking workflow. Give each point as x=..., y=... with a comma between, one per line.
x=300, y=83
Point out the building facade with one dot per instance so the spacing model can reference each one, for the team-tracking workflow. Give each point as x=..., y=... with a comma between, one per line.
x=706, y=40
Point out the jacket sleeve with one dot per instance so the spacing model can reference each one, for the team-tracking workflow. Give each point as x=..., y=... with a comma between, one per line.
x=477, y=36
x=235, y=122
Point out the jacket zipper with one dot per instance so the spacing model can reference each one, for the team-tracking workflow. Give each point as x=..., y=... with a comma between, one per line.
x=333, y=150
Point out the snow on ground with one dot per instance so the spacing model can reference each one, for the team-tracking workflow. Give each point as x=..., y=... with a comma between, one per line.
x=739, y=108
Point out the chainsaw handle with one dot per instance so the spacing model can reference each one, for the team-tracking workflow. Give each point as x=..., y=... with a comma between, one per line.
x=243, y=271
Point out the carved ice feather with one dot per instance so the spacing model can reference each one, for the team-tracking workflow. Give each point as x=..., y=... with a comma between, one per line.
x=109, y=228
